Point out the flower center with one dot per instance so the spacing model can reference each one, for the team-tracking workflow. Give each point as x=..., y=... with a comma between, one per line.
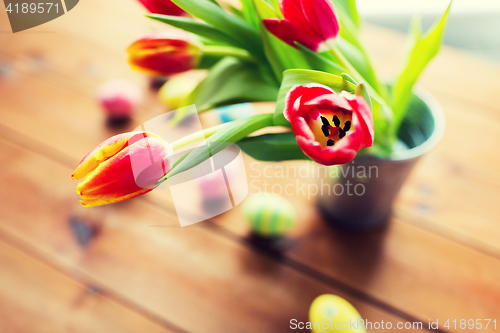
x=331, y=127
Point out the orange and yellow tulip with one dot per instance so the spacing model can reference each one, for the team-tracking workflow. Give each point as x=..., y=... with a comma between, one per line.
x=164, y=53
x=122, y=167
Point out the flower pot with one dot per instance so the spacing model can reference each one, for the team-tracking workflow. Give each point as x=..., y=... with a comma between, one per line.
x=375, y=183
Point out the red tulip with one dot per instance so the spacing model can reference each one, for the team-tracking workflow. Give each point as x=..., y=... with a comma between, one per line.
x=121, y=168
x=330, y=128
x=164, y=7
x=308, y=22
x=165, y=53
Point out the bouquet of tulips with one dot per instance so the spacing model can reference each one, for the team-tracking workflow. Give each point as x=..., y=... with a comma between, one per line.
x=306, y=55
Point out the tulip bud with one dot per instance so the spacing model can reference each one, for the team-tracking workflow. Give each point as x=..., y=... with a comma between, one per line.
x=165, y=53
x=164, y=7
x=122, y=167
x=308, y=22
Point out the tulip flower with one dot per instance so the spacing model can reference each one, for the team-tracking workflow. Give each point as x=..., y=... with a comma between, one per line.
x=308, y=22
x=121, y=168
x=165, y=53
x=330, y=128
x=164, y=7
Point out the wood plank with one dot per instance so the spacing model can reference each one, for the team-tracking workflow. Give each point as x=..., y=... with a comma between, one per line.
x=35, y=297
x=404, y=266
x=194, y=278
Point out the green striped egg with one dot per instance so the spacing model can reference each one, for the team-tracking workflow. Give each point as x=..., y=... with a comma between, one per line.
x=269, y=215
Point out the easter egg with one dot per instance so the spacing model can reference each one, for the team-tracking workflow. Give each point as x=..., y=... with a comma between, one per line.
x=119, y=98
x=331, y=313
x=213, y=186
x=269, y=215
x=235, y=112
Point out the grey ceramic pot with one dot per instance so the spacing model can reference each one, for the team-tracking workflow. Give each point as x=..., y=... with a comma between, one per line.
x=370, y=206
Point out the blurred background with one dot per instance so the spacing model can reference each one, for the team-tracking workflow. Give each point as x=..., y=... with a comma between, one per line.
x=472, y=27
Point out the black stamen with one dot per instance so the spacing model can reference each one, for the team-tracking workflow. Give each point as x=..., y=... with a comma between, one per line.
x=330, y=143
x=326, y=130
x=336, y=121
x=347, y=126
x=341, y=133
x=325, y=121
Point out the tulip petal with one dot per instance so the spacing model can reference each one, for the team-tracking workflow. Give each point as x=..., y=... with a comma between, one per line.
x=164, y=7
x=322, y=17
x=363, y=115
x=291, y=98
x=105, y=150
x=292, y=10
x=301, y=128
x=335, y=101
x=290, y=33
x=298, y=98
x=317, y=137
x=116, y=180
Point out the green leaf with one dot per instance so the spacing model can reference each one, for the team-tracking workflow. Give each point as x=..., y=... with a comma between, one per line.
x=348, y=8
x=234, y=132
x=320, y=63
x=363, y=92
x=249, y=13
x=424, y=49
x=351, y=45
x=234, y=81
x=230, y=25
x=300, y=76
x=273, y=147
x=360, y=62
x=198, y=28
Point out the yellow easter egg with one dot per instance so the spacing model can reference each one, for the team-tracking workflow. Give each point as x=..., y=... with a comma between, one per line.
x=331, y=313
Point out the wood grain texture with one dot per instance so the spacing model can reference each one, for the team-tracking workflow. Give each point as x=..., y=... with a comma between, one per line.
x=35, y=297
x=192, y=278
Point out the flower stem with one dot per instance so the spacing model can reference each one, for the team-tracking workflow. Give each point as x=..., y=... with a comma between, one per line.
x=343, y=62
x=203, y=134
x=222, y=51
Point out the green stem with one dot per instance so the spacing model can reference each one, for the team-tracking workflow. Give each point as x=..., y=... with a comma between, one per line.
x=384, y=110
x=223, y=51
x=201, y=135
x=343, y=62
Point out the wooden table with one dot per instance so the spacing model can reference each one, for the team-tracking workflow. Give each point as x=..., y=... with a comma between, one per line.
x=438, y=260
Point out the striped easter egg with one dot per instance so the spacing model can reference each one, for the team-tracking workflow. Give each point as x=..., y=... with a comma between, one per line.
x=269, y=215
